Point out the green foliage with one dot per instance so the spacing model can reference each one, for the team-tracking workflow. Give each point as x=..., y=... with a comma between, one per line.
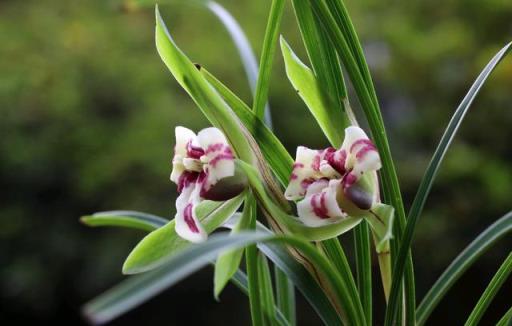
x=88, y=117
x=159, y=244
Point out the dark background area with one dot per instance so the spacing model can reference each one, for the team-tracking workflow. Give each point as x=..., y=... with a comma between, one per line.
x=87, y=124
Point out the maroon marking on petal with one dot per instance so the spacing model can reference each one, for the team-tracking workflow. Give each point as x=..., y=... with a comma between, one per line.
x=361, y=141
x=194, y=151
x=201, y=179
x=363, y=151
x=220, y=157
x=348, y=180
x=297, y=165
x=319, y=207
x=337, y=160
x=315, y=165
x=189, y=219
x=306, y=182
x=214, y=147
x=293, y=176
x=185, y=179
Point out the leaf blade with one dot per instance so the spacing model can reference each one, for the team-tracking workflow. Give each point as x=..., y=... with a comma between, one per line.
x=490, y=292
x=464, y=260
x=429, y=176
x=150, y=252
x=130, y=219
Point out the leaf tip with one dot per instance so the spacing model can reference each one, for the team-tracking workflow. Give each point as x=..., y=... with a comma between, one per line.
x=85, y=220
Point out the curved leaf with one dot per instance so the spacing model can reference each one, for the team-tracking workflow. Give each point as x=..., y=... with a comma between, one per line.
x=428, y=180
x=506, y=320
x=209, y=101
x=330, y=118
x=275, y=153
x=464, y=260
x=130, y=219
x=267, y=57
x=165, y=242
x=227, y=263
x=494, y=286
x=139, y=289
x=292, y=223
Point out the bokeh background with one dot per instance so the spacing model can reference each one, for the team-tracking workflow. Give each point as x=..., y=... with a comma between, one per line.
x=88, y=112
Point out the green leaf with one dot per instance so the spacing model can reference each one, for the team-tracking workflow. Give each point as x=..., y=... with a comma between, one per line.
x=464, y=260
x=130, y=219
x=364, y=267
x=273, y=150
x=334, y=252
x=210, y=102
x=428, y=179
x=140, y=288
x=506, y=320
x=302, y=279
x=159, y=244
x=490, y=292
x=323, y=57
x=267, y=57
x=328, y=116
x=332, y=18
x=285, y=292
x=292, y=223
x=245, y=52
x=227, y=263
x=251, y=262
x=266, y=290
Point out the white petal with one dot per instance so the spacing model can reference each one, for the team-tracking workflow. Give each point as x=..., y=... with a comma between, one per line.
x=218, y=155
x=320, y=206
x=362, y=156
x=183, y=137
x=306, y=169
x=352, y=134
x=369, y=162
x=211, y=136
x=187, y=225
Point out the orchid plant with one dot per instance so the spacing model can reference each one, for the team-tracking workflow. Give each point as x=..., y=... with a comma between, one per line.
x=238, y=175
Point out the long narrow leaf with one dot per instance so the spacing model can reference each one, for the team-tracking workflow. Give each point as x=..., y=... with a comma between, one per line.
x=227, y=263
x=275, y=153
x=266, y=290
x=165, y=242
x=323, y=56
x=130, y=219
x=490, y=292
x=506, y=320
x=330, y=118
x=428, y=179
x=342, y=42
x=464, y=260
x=364, y=267
x=267, y=57
x=285, y=293
x=139, y=289
x=209, y=101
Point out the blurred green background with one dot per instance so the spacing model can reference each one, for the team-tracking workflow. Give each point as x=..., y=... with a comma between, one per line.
x=88, y=116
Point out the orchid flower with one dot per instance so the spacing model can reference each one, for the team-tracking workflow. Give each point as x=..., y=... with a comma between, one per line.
x=327, y=182
x=203, y=168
